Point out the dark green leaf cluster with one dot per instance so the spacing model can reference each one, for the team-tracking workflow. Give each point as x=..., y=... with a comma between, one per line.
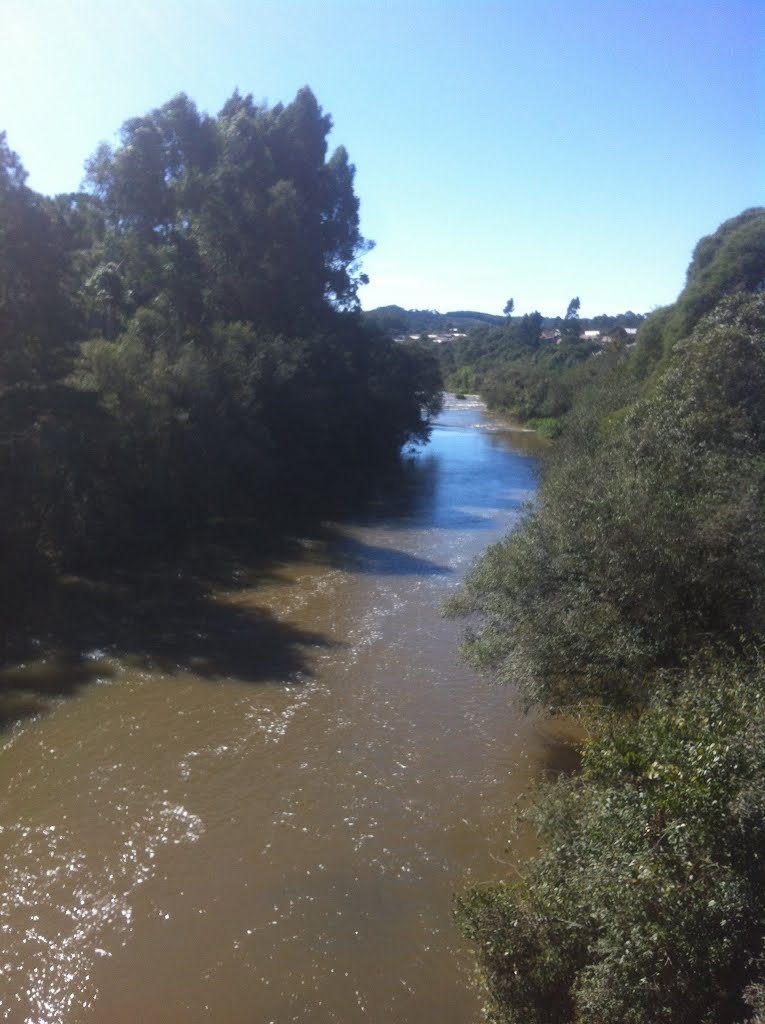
x=184, y=341
x=648, y=899
x=730, y=260
x=37, y=311
x=241, y=217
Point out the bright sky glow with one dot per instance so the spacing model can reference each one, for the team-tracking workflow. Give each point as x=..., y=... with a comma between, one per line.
x=522, y=148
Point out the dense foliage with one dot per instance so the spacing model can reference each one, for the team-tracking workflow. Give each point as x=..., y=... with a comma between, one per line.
x=647, y=901
x=647, y=540
x=183, y=340
x=533, y=366
x=644, y=555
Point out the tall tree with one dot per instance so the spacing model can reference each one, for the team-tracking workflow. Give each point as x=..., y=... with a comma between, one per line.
x=247, y=201
x=570, y=327
x=36, y=312
x=182, y=341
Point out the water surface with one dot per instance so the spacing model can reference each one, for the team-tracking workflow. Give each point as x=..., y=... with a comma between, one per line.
x=247, y=793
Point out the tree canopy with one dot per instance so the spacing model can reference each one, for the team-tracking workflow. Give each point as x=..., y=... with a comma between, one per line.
x=183, y=340
x=243, y=209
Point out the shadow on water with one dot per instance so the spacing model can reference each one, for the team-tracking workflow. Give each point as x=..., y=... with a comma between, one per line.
x=26, y=690
x=169, y=617
x=406, y=494
x=555, y=749
x=357, y=556
x=181, y=614
x=561, y=749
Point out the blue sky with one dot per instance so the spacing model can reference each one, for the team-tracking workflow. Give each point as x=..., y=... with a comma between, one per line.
x=522, y=148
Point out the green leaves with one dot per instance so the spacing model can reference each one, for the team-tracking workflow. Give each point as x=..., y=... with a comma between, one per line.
x=646, y=902
x=189, y=329
x=635, y=591
x=645, y=544
x=249, y=200
x=730, y=261
x=37, y=315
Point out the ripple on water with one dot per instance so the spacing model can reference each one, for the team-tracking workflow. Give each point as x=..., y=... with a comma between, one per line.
x=63, y=908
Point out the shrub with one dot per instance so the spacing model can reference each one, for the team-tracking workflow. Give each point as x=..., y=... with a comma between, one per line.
x=644, y=542
x=648, y=899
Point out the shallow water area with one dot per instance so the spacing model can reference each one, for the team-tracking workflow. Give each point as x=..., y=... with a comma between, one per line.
x=256, y=798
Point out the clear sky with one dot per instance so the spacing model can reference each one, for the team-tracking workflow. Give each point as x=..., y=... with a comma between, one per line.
x=522, y=148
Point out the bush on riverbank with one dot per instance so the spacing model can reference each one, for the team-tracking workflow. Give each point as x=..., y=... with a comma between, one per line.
x=644, y=543
x=647, y=902
x=636, y=586
x=521, y=371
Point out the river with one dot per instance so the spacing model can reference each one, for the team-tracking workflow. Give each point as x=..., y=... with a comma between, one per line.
x=248, y=790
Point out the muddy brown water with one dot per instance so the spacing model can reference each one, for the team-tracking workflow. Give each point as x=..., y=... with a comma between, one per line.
x=248, y=795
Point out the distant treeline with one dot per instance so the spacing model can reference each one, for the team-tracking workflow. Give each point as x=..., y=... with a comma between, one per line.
x=398, y=322
x=182, y=339
x=532, y=366
x=633, y=596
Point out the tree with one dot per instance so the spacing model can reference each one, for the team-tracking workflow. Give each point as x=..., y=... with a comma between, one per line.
x=49, y=434
x=247, y=203
x=37, y=315
x=570, y=326
x=210, y=278
x=648, y=535
x=530, y=329
x=729, y=260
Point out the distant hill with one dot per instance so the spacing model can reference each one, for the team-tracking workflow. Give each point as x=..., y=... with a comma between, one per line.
x=396, y=320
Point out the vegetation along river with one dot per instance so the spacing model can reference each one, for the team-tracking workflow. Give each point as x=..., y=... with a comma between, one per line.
x=250, y=793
